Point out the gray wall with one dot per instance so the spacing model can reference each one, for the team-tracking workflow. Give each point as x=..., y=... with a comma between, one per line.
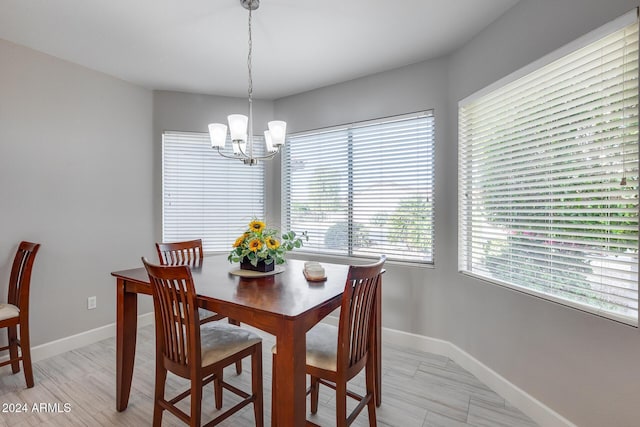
x=582, y=366
x=409, y=305
x=75, y=169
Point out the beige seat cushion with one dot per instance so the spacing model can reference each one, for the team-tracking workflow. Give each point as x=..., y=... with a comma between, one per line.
x=204, y=313
x=7, y=311
x=322, y=347
x=220, y=340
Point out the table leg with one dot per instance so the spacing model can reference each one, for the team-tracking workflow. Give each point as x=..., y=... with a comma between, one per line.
x=378, y=343
x=290, y=389
x=126, y=329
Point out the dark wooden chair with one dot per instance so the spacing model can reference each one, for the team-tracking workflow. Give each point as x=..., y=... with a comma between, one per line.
x=197, y=352
x=16, y=311
x=181, y=253
x=337, y=354
x=190, y=253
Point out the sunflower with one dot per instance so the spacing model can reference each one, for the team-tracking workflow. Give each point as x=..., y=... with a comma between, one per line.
x=272, y=243
x=256, y=226
x=239, y=241
x=255, y=245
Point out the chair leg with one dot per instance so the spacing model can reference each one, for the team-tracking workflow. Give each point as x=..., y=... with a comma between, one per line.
x=341, y=404
x=274, y=413
x=12, y=339
x=196, y=402
x=161, y=378
x=25, y=349
x=371, y=372
x=239, y=362
x=217, y=387
x=315, y=388
x=256, y=385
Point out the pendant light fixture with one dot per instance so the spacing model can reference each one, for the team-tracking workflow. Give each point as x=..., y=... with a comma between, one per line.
x=241, y=126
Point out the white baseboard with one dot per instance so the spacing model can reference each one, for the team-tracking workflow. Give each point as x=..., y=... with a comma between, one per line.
x=533, y=408
x=536, y=410
x=82, y=339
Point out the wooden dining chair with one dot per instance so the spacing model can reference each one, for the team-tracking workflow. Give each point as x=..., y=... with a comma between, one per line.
x=337, y=354
x=190, y=253
x=16, y=311
x=197, y=352
x=181, y=253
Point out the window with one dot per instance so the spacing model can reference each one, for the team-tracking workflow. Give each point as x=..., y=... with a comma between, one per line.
x=548, y=176
x=204, y=195
x=364, y=189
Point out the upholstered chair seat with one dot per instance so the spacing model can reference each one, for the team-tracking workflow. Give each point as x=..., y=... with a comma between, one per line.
x=322, y=347
x=7, y=311
x=220, y=340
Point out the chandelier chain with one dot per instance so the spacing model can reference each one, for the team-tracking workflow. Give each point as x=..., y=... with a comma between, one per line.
x=250, y=90
x=241, y=126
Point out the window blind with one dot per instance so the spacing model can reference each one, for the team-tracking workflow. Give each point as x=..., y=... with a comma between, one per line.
x=363, y=189
x=204, y=195
x=548, y=179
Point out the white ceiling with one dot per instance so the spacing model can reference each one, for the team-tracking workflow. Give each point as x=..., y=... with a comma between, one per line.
x=201, y=45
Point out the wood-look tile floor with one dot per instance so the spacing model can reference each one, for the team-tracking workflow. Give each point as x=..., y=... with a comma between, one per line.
x=77, y=388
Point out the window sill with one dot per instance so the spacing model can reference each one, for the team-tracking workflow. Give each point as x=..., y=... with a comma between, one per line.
x=310, y=256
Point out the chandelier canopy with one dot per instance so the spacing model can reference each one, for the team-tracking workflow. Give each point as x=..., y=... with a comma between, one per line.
x=241, y=126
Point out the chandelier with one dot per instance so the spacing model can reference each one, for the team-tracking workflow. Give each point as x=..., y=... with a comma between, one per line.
x=241, y=126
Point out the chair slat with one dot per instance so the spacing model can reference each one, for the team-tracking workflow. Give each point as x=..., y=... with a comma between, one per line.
x=180, y=253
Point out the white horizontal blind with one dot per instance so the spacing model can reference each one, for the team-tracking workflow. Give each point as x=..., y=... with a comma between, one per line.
x=363, y=190
x=205, y=195
x=548, y=177
x=315, y=189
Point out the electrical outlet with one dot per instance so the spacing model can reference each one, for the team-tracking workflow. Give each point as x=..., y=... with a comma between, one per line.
x=91, y=303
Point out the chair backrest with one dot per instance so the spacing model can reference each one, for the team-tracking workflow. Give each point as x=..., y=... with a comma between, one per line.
x=20, y=278
x=180, y=253
x=356, y=313
x=176, y=314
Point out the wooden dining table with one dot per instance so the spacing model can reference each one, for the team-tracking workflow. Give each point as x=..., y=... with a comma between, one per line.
x=285, y=305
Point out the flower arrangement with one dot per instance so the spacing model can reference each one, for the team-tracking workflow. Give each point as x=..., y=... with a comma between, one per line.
x=260, y=243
